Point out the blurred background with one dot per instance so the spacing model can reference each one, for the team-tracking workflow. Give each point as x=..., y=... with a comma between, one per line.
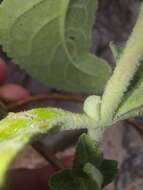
x=114, y=22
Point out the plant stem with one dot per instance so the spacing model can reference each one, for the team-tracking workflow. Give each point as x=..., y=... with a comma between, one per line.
x=3, y=110
x=44, y=97
x=51, y=158
x=126, y=68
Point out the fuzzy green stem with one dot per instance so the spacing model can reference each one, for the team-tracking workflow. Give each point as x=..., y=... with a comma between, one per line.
x=126, y=67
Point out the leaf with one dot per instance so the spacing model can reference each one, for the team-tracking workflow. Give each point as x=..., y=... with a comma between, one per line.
x=116, y=51
x=64, y=180
x=89, y=158
x=87, y=152
x=95, y=176
x=16, y=130
x=132, y=102
x=90, y=171
x=92, y=106
x=51, y=40
x=69, y=181
x=109, y=170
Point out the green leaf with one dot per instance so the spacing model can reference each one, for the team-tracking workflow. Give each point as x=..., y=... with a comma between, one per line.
x=16, y=130
x=89, y=172
x=109, y=170
x=116, y=51
x=132, y=102
x=51, y=40
x=89, y=156
x=87, y=152
x=95, y=176
x=64, y=180
x=68, y=180
x=92, y=106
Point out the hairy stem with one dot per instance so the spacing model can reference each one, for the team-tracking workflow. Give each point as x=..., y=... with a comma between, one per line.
x=126, y=67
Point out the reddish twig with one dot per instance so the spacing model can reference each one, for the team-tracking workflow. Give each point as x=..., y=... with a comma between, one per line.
x=136, y=125
x=51, y=158
x=39, y=98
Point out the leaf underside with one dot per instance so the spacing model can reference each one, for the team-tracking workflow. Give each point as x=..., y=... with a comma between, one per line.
x=17, y=130
x=51, y=40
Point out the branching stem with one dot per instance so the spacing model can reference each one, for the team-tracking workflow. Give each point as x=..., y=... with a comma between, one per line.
x=126, y=68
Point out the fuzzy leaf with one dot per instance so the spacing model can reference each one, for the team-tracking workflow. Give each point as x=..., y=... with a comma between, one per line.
x=69, y=181
x=51, y=40
x=132, y=102
x=16, y=130
x=109, y=170
x=89, y=158
x=90, y=171
x=87, y=152
x=92, y=106
x=94, y=175
x=64, y=180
